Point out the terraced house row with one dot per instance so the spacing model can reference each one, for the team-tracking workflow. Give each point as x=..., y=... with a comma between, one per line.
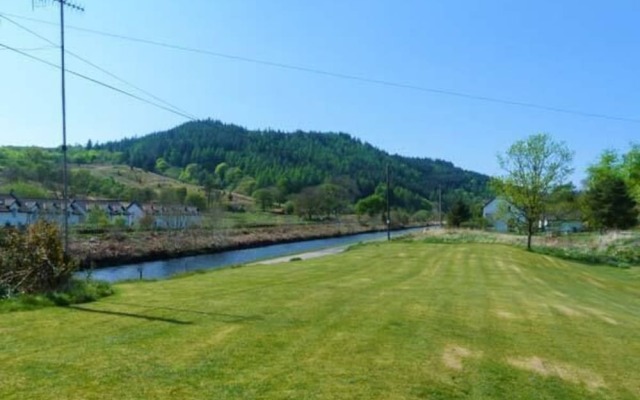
x=17, y=212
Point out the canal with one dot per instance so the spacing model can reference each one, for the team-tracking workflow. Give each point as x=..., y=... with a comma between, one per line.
x=166, y=268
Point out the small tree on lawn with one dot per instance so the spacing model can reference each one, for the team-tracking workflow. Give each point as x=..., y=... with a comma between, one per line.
x=533, y=168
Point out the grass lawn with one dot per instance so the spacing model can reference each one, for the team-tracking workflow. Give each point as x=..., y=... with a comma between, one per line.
x=400, y=320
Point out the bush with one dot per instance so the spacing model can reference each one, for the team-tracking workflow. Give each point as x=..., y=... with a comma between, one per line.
x=289, y=208
x=399, y=218
x=422, y=216
x=476, y=223
x=33, y=261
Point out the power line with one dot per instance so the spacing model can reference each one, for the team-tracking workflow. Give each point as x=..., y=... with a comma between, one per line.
x=344, y=76
x=34, y=48
x=97, y=67
x=97, y=82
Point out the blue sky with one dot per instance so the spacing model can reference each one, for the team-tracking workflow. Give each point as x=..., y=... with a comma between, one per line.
x=579, y=55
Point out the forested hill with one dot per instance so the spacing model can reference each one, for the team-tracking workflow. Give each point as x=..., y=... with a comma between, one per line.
x=290, y=161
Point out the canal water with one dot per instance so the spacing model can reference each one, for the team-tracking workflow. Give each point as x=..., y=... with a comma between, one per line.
x=166, y=268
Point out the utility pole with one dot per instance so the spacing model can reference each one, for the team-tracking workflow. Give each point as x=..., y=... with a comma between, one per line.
x=65, y=172
x=440, y=204
x=388, y=205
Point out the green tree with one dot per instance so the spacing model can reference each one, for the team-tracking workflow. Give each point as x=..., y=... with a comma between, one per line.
x=421, y=216
x=97, y=217
x=233, y=177
x=306, y=203
x=458, y=214
x=289, y=207
x=371, y=205
x=194, y=199
x=162, y=165
x=631, y=171
x=190, y=173
x=246, y=185
x=533, y=168
x=609, y=204
x=264, y=197
x=221, y=171
x=564, y=204
x=332, y=199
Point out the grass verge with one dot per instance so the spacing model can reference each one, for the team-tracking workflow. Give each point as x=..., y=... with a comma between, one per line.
x=78, y=292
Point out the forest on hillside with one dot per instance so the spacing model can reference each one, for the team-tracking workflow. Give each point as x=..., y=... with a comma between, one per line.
x=218, y=155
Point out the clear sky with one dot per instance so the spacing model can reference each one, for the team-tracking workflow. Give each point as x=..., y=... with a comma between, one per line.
x=579, y=55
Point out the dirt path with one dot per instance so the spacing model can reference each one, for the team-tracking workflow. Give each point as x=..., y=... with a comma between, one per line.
x=305, y=256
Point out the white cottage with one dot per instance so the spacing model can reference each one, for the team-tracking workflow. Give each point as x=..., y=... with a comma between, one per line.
x=12, y=212
x=499, y=212
x=18, y=212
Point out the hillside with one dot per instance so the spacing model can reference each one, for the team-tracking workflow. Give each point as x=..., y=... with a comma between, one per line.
x=289, y=161
x=36, y=172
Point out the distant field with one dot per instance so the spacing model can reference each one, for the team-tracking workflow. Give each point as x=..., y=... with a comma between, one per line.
x=134, y=177
x=400, y=320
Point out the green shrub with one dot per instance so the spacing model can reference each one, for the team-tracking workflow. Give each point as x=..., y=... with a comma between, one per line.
x=33, y=261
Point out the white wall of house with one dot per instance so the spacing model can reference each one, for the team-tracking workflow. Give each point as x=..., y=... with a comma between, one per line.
x=135, y=213
x=176, y=221
x=13, y=218
x=167, y=218
x=498, y=211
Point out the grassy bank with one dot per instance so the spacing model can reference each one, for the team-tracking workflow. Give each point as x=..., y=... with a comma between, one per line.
x=618, y=249
x=399, y=320
x=76, y=292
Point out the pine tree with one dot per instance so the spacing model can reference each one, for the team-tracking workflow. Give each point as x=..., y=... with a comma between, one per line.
x=609, y=204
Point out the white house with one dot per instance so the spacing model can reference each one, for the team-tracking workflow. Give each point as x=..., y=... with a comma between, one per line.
x=12, y=213
x=174, y=217
x=135, y=212
x=21, y=212
x=499, y=212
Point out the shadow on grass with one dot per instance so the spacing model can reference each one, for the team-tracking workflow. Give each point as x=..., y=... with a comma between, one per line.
x=228, y=317
x=131, y=315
